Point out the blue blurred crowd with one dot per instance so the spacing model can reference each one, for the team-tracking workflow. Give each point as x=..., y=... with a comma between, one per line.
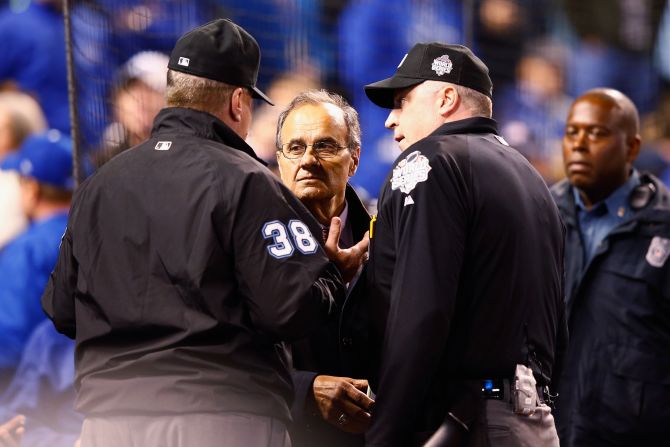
x=541, y=53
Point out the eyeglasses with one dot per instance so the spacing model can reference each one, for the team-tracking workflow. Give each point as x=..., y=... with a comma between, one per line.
x=322, y=149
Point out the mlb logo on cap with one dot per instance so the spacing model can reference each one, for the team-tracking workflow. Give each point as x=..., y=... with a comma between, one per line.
x=184, y=61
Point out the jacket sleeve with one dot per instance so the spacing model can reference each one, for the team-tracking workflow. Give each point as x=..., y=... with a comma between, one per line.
x=282, y=271
x=58, y=297
x=429, y=234
x=302, y=386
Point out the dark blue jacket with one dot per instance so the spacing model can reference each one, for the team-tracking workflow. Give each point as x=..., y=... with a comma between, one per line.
x=340, y=348
x=615, y=385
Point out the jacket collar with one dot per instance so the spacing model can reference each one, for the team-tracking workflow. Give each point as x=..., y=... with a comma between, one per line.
x=656, y=207
x=200, y=124
x=357, y=214
x=477, y=124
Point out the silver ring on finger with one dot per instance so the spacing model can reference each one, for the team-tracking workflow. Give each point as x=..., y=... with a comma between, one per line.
x=343, y=419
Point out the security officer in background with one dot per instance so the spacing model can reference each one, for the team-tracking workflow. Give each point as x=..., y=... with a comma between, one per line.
x=615, y=387
x=466, y=265
x=319, y=146
x=186, y=263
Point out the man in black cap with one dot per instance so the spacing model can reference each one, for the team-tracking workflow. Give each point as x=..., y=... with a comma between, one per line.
x=465, y=267
x=185, y=265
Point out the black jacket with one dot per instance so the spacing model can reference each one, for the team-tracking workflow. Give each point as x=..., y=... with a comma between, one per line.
x=339, y=348
x=184, y=265
x=615, y=386
x=467, y=266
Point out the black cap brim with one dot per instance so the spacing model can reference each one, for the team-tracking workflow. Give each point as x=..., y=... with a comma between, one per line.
x=381, y=92
x=256, y=93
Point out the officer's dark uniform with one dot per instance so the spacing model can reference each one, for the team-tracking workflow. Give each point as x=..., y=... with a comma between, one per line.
x=466, y=255
x=340, y=348
x=185, y=264
x=615, y=386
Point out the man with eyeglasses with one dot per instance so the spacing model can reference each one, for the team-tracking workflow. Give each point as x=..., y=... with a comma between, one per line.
x=318, y=140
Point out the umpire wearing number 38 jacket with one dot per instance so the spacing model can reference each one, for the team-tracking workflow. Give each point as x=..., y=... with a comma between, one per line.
x=184, y=266
x=466, y=262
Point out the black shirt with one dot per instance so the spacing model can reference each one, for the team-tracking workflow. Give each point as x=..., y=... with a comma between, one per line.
x=465, y=271
x=184, y=265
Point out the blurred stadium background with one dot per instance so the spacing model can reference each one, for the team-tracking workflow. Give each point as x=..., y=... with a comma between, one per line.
x=541, y=53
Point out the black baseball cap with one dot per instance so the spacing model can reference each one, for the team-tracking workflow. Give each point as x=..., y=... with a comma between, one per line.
x=433, y=61
x=222, y=51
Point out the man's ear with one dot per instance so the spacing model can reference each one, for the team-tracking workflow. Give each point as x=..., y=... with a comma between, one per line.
x=235, y=107
x=634, y=143
x=355, y=159
x=448, y=100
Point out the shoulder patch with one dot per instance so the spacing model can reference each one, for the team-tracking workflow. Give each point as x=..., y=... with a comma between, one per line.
x=658, y=252
x=410, y=171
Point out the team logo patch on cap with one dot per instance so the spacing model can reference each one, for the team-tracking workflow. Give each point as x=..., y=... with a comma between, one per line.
x=442, y=65
x=184, y=61
x=409, y=172
x=658, y=252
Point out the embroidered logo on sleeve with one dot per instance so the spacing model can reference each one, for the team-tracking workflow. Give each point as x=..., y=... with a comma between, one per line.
x=163, y=145
x=658, y=252
x=442, y=65
x=409, y=172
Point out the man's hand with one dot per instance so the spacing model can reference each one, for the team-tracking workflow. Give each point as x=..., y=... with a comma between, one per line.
x=349, y=260
x=11, y=432
x=342, y=402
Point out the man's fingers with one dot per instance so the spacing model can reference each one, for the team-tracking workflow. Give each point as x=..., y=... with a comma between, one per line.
x=334, y=232
x=356, y=419
x=359, y=398
x=12, y=431
x=15, y=423
x=361, y=384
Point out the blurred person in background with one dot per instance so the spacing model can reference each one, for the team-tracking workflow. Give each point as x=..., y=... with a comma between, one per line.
x=20, y=116
x=615, y=386
x=44, y=164
x=34, y=61
x=615, y=46
x=531, y=112
x=43, y=391
x=655, y=154
x=318, y=144
x=138, y=96
x=501, y=30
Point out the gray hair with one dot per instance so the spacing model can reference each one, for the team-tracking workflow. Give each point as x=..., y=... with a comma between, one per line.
x=477, y=103
x=194, y=92
x=316, y=97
